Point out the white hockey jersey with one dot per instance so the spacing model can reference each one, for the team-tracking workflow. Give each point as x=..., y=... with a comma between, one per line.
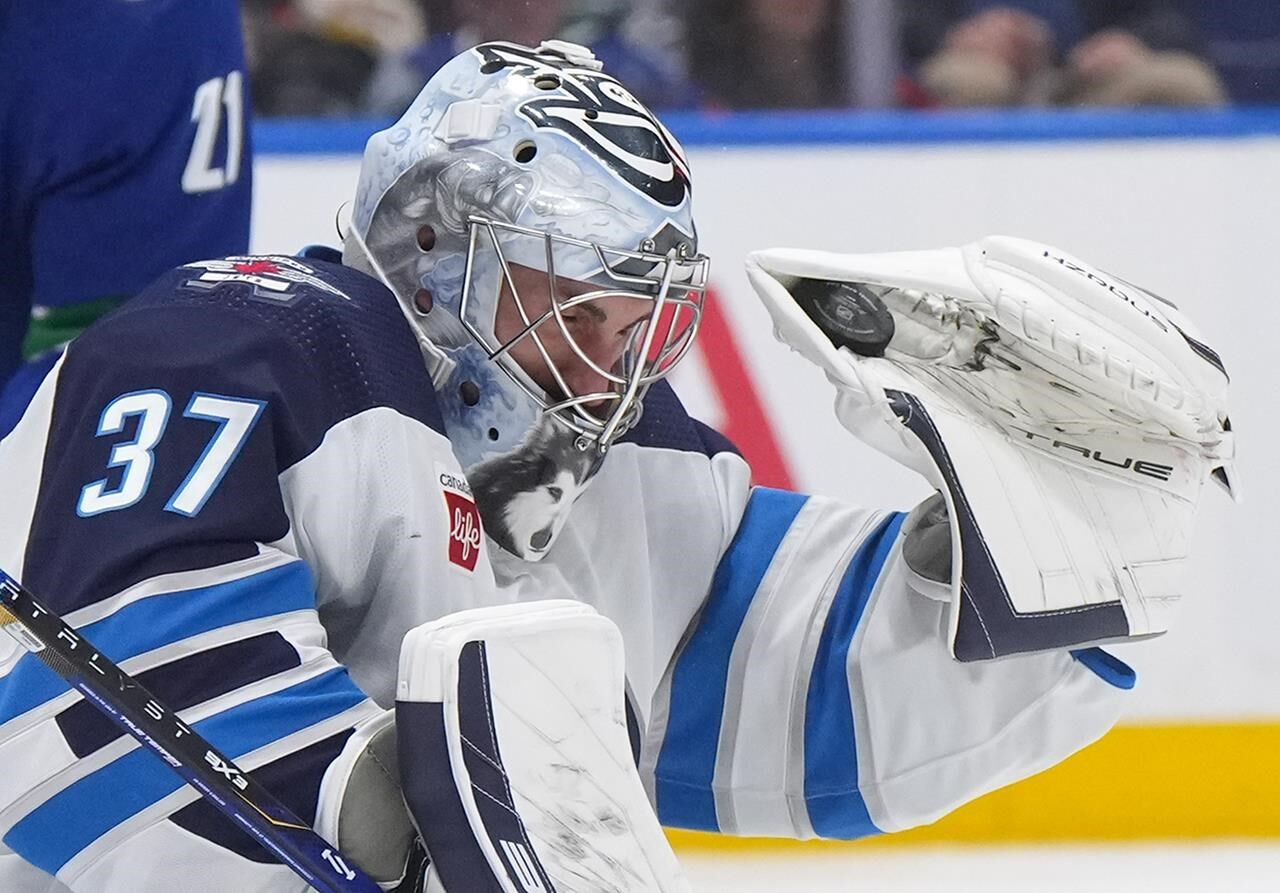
x=240, y=487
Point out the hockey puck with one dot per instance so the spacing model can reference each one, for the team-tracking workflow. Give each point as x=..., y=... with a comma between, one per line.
x=849, y=314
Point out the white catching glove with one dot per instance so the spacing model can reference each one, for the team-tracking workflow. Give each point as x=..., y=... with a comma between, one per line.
x=1068, y=418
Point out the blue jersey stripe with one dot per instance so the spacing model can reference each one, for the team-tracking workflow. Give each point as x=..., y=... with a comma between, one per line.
x=163, y=619
x=687, y=761
x=69, y=821
x=836, y=807
x=183, y=683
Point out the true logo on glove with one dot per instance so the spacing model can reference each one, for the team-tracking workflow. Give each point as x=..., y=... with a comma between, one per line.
x=1139, y=466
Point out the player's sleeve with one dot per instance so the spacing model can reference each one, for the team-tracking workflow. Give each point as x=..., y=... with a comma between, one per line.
x=241, y=520
x=813, y=694
x=132, y=160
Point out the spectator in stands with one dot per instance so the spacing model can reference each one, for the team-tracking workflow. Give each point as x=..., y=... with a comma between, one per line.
x=604, y=25
x=641, y=43
x=999, y=57
x=1242, y=39
x=765, y=54
x=316, y=58
x=307, y=75
x=1115, y=68
x=1041, y=52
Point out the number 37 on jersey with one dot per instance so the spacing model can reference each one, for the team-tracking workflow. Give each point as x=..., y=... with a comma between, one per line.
x=131, y=463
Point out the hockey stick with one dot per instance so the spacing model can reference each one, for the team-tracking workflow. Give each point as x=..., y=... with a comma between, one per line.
x=121, y=697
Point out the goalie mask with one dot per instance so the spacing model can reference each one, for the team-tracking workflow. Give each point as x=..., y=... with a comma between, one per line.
x=534, y=221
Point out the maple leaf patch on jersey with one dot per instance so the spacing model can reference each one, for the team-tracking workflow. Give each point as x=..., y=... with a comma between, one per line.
x=272, y=276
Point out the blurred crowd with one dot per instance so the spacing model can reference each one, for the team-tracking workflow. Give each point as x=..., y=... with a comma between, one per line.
x=336, y=58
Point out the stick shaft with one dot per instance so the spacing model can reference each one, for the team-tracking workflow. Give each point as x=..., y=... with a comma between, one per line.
x=117, y=694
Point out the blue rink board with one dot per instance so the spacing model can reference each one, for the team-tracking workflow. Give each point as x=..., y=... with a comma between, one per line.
x=305, y=137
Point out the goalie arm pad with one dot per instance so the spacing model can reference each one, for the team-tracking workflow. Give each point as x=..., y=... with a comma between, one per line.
x=814, y=695
x=1068, y=419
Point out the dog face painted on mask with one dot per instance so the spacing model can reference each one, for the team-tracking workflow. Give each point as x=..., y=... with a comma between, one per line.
x=524, y=496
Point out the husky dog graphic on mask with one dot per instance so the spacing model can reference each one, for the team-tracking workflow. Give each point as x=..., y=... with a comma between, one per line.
x=524, y=496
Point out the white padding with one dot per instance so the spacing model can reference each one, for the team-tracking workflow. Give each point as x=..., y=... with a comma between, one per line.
x=934, y=734
x=556, y=682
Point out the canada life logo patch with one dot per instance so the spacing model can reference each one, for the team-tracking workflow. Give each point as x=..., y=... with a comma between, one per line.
x=466, y=536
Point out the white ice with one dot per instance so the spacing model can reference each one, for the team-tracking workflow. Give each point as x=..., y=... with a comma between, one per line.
x=1165, y=868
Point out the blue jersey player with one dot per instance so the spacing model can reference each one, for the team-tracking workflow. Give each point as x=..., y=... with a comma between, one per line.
x=124, y=150
x=263, y=479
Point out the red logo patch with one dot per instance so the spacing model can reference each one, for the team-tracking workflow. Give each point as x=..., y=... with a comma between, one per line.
x=466, y=537
x=256, y=266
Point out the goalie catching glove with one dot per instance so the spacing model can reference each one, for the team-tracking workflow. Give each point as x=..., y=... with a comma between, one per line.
x=1068, y=419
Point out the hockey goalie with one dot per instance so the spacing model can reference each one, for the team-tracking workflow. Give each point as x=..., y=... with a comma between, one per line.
x=420, y=535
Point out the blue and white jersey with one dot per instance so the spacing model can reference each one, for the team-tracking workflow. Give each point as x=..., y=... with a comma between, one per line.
x=791, y=681
x=238, y=485
x=124, y=149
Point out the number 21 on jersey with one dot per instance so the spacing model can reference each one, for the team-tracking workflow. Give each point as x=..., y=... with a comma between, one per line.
x=217, y=100
x=234, y=416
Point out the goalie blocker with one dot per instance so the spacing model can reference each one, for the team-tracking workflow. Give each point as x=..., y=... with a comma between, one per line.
x=1067, y=418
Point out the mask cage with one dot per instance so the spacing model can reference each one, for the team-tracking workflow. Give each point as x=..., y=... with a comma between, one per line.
x=674, y=282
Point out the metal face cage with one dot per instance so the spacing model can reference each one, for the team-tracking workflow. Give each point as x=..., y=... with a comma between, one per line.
x=675, y=283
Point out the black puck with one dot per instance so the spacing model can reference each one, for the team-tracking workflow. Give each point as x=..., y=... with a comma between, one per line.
x=848, y=313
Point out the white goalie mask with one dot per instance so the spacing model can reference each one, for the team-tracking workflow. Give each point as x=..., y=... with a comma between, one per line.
x=521, y=190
